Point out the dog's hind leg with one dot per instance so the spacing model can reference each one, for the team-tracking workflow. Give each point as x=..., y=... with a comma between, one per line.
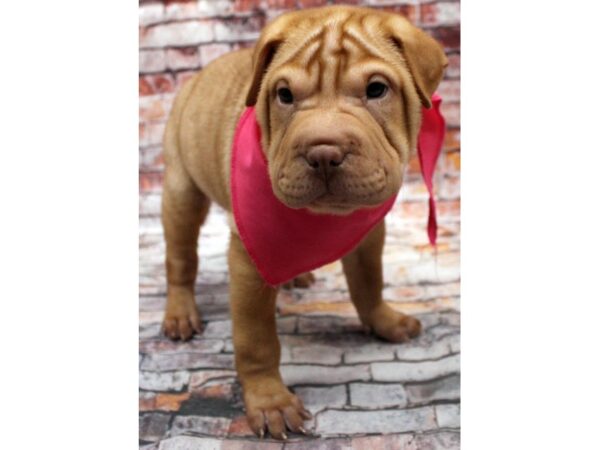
x=364, y=274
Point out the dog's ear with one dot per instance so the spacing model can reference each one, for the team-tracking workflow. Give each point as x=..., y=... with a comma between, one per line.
x=264, y=51
x=424, y=56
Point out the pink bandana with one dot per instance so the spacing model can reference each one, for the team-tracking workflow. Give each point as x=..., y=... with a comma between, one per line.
x=285, y=242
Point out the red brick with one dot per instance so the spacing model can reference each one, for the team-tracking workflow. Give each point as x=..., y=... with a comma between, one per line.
x=151, y=13
x=449, y=208
x=453, y=69
x=163, y=84
x=212, y=8
x=451, y=112
x=177, y=34
x=452, y=140
x=143, y=135
x=151, y=159
x=239, y=29
x=152, y=109
x=449, y=37
x=449, y=90
x=242, y=45
x=170, y=2
x=182, y=11
x=246, y=5
x=286, y=4
x=157, y=84
x=311, y=3
x=449, y=188
x=414, y=167
x=145, y=88
x=210, y=52
x=414, y=209
x=151, y=181
x=155, y=133
x=152, y=61
x=183, y=58
x=440, y=13
x=408, y=11
x=182, y=77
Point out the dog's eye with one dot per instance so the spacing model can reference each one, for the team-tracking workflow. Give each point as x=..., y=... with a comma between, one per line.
x=376, y=90
x=285, y=96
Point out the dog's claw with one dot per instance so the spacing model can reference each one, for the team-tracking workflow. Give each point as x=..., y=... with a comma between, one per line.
x=261, y=433
x=302, y=430
x=284, y=436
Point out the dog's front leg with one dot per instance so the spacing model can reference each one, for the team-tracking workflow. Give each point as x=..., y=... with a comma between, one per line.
x=269, y=403
x=364, y=274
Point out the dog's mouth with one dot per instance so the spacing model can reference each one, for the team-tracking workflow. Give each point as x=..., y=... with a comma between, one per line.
x=340, y=194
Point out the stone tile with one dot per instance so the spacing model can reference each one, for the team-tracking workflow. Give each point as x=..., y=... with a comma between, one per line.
x=165, y=345
x=328, y=324
x=312, y=374
x=190, y=443
x=317, y=354
x=415, y=371
x=161, y=362
x=286, y=324
x=448, y=416
x=198, y=379
x=324, y=444
x=404, y=293
x=171, y=381
x=153, y=426
x=170, y=402
x=447, y=388
x=147, y=401
x=451, y=289
x=222, y=389
x=317, y=398
x=424, y=350
x=239, y=427
x=150, y=331
x=212, y=426
x=218, y=329
x=442, y=330
x=319, y=307
x=370, y=395
x=251, y=445
x=336, y=422
x=369, y=353
x=153, y=446
x=385, y=442
x=438, y=441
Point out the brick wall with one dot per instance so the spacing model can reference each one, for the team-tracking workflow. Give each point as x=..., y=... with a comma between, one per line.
x=178, y=38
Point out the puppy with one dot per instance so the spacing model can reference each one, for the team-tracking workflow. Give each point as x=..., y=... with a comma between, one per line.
x=337, y=95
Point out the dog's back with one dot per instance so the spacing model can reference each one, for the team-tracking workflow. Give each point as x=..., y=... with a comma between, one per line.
x=202, y=123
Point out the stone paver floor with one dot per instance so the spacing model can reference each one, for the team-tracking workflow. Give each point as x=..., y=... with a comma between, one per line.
x=364, y=393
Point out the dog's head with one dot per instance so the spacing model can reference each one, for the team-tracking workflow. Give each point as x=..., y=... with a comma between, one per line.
x=338, y=94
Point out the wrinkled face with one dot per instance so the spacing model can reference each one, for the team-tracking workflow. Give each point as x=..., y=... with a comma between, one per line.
x=339, y=114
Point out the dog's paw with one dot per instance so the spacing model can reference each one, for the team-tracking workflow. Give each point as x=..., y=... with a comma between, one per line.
x=272, y=408
x=182, y=318
x=394, y=326
x=301, y=281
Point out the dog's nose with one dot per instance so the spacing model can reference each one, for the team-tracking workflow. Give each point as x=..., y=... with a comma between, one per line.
x=325, y=158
